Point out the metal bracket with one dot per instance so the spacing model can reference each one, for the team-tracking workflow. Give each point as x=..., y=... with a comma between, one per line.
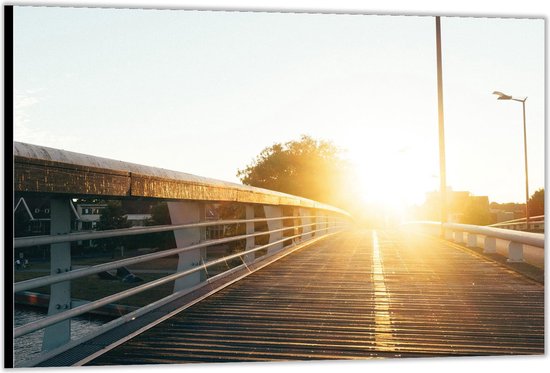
x=185, y=213
x=60, y=294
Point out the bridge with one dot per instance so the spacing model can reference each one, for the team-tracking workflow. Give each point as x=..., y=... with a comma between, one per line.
x=257, y=275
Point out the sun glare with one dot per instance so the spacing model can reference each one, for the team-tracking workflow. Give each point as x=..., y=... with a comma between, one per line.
x=393, y=183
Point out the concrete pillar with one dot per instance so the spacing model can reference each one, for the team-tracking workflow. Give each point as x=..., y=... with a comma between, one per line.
x=60, y=294
x=274, y=212
x=304, y=213
x=187, y=213
x=472, y=240
x=249, y=230
x=489, y=245
x=515, y=252
x=459, y=237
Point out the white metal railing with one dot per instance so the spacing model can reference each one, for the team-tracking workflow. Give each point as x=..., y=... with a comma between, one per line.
x=75, y=274
x=535, y=223
x=516, y=240
x=321, y=226
x=286, y=223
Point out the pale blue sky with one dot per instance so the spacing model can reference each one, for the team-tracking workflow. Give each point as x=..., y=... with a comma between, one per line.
x=204, y=92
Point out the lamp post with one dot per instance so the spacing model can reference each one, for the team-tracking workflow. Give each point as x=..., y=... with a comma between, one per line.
x=442, y=168
x=502, y=96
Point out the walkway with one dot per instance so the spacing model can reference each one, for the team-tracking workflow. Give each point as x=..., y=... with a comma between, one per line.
x=358, y=295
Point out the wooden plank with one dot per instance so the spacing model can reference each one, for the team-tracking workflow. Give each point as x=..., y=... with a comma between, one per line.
x=352, y=297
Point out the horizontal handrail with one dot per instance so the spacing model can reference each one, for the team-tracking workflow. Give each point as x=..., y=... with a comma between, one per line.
x=96, y=235
x=519, y=223
x=527, y=238
x=77, y=174
x=520, y=220
x=82, y=272
x=77, y=311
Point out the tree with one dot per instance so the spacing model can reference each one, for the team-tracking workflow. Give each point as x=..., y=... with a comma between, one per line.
x=112, y=217
x=536, y=203
x=307, y=168
x=160, y=216
x=476, y=211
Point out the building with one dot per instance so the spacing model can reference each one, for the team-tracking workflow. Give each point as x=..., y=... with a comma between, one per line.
x=462, y=207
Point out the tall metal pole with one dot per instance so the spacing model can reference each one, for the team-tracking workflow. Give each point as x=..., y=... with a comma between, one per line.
x=526, y=173
x=442, y=171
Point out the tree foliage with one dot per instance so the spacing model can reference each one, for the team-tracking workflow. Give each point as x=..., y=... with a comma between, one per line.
x=308, y=168
x=160, y=216
x=112, y=217
x=536, y=203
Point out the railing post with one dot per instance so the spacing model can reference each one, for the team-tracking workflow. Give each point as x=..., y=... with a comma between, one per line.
x=489, y=245
x=186, y=213
x=274, y=212
x=515, y=252
x=305, y=219
x=296, y=223
x=472, y=240
x=330, y=222
x=60, y=294
x=315, y=220
x=249, y=211
x=459, y=237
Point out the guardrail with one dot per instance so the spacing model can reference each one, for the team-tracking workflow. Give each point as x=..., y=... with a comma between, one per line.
x=486, y=237
x=271, y=223
x=536, y=223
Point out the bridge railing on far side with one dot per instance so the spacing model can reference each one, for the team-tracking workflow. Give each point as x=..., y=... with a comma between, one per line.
x=517, y=246
x=536, y=223
x=268, y=225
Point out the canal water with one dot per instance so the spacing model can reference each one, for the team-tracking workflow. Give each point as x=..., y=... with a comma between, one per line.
x=29, y=346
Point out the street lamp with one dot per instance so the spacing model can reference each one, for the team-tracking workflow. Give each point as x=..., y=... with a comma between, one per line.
x=502, y=96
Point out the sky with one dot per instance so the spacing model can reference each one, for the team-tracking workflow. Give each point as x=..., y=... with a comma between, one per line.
x=204, y=92
x=50, y=113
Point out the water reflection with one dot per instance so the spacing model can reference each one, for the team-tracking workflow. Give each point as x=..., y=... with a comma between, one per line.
x=29, y=346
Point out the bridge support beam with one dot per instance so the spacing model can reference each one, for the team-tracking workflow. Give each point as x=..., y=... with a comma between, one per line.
x=274, y=212
x=472, y=240
x=489, y=245
x=186, y=213
x=250, y=241
x=305, y=219
x=60, y=294
x=515, y=252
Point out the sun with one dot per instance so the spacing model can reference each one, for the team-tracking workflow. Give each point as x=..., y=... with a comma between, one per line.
x=393, y=185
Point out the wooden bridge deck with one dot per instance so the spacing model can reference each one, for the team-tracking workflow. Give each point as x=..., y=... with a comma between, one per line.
x=357, y=295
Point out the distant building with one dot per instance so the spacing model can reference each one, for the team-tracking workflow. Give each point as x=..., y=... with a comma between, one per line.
x=88, y=215
x=501, y=212
x=31, y=216
x=137, y=220
x=462, y=207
